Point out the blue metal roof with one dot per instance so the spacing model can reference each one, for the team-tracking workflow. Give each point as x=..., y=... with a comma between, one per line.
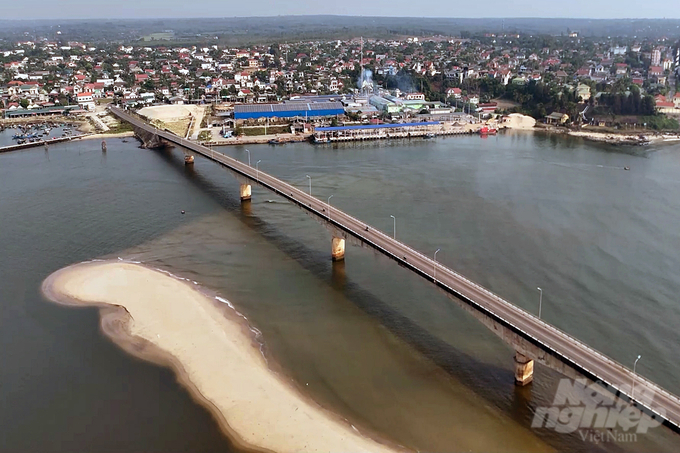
x=374, y=126
x=289, y=109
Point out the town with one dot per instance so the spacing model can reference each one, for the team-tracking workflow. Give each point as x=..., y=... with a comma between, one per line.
x=351, y=89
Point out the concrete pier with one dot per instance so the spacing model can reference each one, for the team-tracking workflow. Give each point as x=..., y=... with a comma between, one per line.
x=338, y=249
x=524, y=369
x=246, y=192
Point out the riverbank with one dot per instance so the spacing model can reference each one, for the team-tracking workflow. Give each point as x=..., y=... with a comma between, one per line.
x=625, y=138
x=110, y=135
x=613, y=137
x=213, y=351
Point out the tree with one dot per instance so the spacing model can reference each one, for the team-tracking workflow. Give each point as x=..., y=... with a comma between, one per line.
x=24, y=103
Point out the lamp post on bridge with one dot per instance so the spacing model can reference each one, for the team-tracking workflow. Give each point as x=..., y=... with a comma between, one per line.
x=540, y=302
x=329, y=207
x=434, y=266
x=632, y=387
x=310, y=185
x=257, y=170
x=248, y=151
x=394, y=227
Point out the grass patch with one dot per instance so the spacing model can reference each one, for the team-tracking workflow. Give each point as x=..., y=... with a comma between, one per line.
x=121, y=127
x=204, y=136
x=259, y=130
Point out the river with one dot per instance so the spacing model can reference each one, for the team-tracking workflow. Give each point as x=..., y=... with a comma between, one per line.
x=364, y=337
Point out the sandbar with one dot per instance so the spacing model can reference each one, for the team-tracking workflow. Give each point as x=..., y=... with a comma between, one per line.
x=213, y=351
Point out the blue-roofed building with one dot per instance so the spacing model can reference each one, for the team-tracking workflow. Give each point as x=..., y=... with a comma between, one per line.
x=288, y=110
x=376, y=131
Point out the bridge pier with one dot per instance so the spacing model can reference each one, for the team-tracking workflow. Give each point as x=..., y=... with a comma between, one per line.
x=338, y=249
x=524, y=369
x=245, y=192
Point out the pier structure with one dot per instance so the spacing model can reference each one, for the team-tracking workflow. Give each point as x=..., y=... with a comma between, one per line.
x=397, y=130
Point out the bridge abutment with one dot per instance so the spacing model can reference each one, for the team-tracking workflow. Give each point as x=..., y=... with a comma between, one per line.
x=245, y=192
x=524, y=369
x=338, y=249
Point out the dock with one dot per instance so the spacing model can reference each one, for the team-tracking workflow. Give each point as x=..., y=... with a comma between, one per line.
x=7, y=149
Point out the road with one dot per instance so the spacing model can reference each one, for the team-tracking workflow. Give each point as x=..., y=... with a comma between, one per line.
x=580, y=356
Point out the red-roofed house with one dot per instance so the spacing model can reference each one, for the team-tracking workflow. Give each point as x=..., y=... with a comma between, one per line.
x=453, y=92
x=655, y=71
x=85, y=100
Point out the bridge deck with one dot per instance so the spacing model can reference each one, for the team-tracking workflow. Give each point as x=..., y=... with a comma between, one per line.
x=570, y=350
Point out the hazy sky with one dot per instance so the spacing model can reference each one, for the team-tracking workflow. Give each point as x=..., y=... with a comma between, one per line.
x=79, y=9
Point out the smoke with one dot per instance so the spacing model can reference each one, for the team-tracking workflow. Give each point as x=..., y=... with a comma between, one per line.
x=405, y=83
x=365, y=83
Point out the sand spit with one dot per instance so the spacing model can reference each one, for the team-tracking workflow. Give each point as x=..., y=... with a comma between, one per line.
x=213, y=351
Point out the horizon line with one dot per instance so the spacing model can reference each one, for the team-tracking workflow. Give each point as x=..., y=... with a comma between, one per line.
x=70, y=19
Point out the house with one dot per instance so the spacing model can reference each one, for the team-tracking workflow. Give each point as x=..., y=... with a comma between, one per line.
x=655, y=71
x=85, y=100
x=489, y=107
x=621, y=69
x=557, y=118
x=666, y=107
x=583, y=92
x=454, y=93
x=561, y=75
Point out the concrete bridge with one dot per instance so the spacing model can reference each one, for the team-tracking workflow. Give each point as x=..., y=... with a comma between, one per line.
x=533, y=339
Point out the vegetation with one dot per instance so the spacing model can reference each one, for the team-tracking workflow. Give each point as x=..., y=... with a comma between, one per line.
x=205, y=136
x=260, y=130
x=660, y=122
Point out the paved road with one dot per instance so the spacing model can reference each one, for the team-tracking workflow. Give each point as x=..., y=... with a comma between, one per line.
x=582, y=357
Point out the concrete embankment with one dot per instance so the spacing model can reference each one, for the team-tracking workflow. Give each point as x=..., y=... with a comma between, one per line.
x=7, y=149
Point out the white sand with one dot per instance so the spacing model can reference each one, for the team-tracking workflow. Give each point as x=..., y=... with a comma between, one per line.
x=519, y=121
x=110, y=135
x=168, y=113
x=166, y=320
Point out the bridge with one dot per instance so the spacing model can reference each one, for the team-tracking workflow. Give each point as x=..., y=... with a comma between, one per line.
x=532, y=338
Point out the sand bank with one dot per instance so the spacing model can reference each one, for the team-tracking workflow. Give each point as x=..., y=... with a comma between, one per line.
x=214, y=353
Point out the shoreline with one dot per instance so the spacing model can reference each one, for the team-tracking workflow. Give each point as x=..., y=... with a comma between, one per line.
x=614, y=138
x=213, y=351
x=109, y=135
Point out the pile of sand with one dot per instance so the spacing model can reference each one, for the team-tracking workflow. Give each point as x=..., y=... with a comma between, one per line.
x=519, y=121
x=169, y=113
x=163, y=319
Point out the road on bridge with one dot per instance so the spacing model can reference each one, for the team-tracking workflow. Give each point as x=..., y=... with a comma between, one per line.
x=577, y=354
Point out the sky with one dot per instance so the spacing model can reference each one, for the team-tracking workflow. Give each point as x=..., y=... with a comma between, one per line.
x=86, y=9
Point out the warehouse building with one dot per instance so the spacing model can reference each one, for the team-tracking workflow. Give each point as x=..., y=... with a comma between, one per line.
x=288, y=110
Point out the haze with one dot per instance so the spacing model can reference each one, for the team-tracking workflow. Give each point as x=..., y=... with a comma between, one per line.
x=85, y=9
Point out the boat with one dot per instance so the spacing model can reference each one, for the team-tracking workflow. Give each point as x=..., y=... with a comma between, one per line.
x=430, y=135
x=275, y=141
x=483, y=130
x=188, y=160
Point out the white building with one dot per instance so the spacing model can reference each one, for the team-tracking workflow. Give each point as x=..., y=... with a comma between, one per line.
x=85, y=101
